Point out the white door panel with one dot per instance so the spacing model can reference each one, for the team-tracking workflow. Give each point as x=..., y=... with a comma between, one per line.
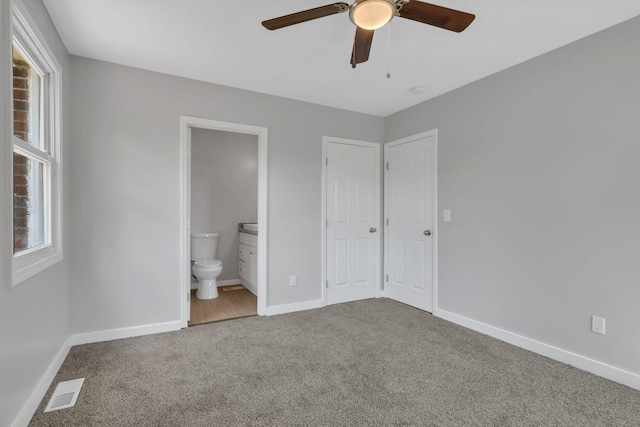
x=352, y=209
x=363, y=252
x=409, y=194
x=341, y=262
x=341, y=200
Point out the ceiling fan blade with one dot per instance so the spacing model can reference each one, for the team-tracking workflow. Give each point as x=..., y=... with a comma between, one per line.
x=361, y=46
x=438, y=16
x=304, y=16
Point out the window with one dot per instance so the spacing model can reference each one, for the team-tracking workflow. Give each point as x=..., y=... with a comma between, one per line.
x=37, y=234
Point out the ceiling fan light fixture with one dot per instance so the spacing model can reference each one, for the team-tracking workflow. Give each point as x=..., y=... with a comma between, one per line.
x=372, y=14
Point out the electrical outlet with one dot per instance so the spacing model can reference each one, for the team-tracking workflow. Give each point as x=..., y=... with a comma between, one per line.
x=597, y=324
x=293, y=281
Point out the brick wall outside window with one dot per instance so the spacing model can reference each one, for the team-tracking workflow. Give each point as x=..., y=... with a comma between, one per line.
x=21, y=74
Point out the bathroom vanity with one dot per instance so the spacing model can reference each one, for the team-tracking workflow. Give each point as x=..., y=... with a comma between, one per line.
x=248, y=259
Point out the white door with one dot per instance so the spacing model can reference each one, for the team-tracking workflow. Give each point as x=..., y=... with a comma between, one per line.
x=410, y=174
x=352, y=229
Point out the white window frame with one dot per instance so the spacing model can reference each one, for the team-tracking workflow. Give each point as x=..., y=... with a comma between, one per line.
x=26, y=35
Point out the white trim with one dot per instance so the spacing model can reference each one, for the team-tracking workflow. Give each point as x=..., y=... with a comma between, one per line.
x=436, y=220
x=431, y=133
x=186, y=123
x=129, y=332
x=29, y=31
x=219, y=283
x=228, y=282
x=323, y=224
x=185, y=221
x=297, y=306
x=34, y=261
x=263, y=206
x=31, y=405
x=595, y=367
x=6, y=152
x=27, y=150
x=323, y=207
x=25, y=31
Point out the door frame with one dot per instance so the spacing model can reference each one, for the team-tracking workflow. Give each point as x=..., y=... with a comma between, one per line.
x=431, y=133
x=323, y=217
x=186, y=124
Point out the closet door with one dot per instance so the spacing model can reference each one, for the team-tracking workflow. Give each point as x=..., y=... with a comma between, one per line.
x=410, y=196
x=352, y=228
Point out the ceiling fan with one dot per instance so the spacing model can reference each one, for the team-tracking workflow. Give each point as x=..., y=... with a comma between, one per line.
x=369, y=15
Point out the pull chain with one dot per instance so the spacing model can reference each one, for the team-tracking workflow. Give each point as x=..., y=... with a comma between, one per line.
x=389, y=50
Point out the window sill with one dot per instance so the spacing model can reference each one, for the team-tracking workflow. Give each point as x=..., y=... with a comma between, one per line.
x=31, y=263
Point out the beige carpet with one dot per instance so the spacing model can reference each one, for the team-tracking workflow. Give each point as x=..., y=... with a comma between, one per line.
x=367, y=363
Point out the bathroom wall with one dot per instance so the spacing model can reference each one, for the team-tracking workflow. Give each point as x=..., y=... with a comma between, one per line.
x=224, y=189
x=35, y=314
x=539, y=166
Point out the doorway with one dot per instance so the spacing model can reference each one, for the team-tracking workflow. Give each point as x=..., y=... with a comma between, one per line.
x=410, y=210
x=189, y=126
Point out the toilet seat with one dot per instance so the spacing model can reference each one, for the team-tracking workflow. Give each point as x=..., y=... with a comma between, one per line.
x=207, y=263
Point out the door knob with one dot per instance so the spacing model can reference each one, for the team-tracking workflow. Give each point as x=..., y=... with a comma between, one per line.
x=427, y=232
x=372, y=230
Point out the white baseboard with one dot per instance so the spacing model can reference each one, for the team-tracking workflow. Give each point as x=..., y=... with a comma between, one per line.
x=298, y=306
x=228, y=282
x=601, y=369
x=133, y=331
x=251, y=288
x=30, y=407
x=219, y=283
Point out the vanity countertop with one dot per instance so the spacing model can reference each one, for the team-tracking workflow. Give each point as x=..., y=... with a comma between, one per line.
x=244, y=230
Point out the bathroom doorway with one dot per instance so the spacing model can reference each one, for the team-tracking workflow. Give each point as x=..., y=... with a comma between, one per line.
x=224, y=189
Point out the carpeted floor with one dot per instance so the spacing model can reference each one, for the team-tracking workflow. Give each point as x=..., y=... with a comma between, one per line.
x=366, y=363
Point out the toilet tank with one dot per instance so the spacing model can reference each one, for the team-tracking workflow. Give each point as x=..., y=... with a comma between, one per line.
x=204, y=245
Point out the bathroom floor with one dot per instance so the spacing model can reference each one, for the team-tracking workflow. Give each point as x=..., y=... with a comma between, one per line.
x=230, y=304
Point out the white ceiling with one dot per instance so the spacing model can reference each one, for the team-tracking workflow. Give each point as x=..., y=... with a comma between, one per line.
x=222, y=41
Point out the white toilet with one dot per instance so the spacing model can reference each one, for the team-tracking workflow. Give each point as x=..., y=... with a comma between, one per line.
x=205, y=267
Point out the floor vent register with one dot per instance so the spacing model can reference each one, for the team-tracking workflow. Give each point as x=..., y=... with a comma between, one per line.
x=65, y=395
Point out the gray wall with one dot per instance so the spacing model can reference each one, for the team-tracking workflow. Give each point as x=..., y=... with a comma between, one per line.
x=34, y=315
x=224, y=189
x=126, y=177
x=538, y=163
x=540, y=167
